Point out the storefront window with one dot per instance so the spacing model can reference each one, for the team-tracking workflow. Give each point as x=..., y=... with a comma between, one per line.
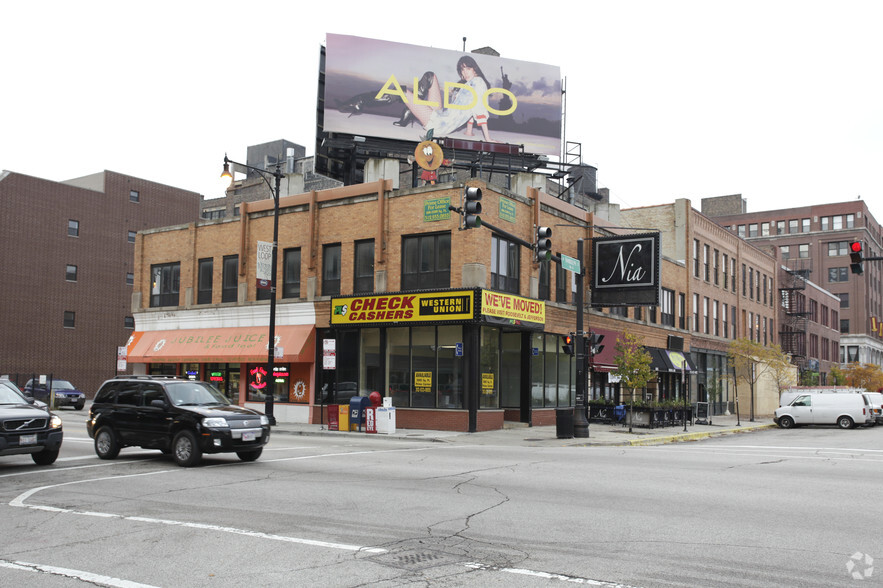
x=260, y=383
x=536, y=368
x=551, y=371
x=369, y=362
x=489, y=366
x=510, y=375
x=398, y=365
x=224, y=377
x=450, y=367
x=423, y=366
x=163, y=369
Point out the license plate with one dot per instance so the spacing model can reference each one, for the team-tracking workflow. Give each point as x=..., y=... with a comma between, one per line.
x=248, y=436
x=27, y=440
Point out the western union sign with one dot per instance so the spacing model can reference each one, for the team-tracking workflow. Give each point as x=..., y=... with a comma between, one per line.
x=430, y=306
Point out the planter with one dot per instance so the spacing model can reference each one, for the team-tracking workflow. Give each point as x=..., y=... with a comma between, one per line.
x=601, y=413
x=639, y=416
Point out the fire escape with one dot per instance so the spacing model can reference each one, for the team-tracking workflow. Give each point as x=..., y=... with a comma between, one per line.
x=792, y=335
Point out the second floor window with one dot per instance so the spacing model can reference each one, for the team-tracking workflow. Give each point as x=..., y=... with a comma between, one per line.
x=505, y=265
x=331, y=270
x=165, y=284
x=667, y=307
x=363, y=276
x=204, y=281
x=230, y=278
x=426, y=261
x=291, y=273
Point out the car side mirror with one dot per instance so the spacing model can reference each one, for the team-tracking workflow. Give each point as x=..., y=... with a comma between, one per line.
x=158, y=403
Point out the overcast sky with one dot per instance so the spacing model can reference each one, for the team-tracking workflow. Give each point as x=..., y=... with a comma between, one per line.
x=781, y=101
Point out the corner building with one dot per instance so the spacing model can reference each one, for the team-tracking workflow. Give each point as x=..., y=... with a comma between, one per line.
x=379, y=289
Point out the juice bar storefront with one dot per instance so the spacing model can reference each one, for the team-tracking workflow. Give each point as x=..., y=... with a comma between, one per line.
x=446, y=358
x=234, y=359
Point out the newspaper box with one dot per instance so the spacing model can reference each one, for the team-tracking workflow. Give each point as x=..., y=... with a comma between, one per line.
x=386, y=419
x=333, y=411
x=343, y=417
x=371, y=419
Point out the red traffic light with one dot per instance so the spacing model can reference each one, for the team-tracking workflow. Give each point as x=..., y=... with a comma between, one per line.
x=855, y=247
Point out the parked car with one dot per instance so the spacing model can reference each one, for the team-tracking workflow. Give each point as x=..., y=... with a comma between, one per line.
x=185, y=418
x=844, y=410
x=27, y=428
x=65, y=393
x=875, y=399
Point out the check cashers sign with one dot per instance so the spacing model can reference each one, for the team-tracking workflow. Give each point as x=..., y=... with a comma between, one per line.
x=389, y=308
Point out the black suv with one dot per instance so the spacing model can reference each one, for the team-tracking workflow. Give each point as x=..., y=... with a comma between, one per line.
x=183, y=417
x=27, y=428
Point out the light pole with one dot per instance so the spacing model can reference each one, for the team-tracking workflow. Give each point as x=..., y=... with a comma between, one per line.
x=271, y=345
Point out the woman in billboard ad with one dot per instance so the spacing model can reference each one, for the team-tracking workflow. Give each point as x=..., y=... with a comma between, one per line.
x=392, y=90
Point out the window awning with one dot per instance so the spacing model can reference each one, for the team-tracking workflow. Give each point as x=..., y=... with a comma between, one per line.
x=603, y=362
x=223, y=345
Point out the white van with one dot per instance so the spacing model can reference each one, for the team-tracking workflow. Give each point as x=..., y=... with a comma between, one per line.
x=843, y=410
x=791, y=393
x=875, y=399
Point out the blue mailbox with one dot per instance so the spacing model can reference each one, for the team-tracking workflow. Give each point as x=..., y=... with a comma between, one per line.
x=358, y=404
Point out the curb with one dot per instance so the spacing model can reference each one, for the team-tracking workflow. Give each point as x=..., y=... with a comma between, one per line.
x=696, y=436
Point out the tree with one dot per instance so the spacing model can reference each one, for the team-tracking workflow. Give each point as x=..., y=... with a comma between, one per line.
x=752, y=360
x=863, y=375
x=632, y=362
x=838, y=376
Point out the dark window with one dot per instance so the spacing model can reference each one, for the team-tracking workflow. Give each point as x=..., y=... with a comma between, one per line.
x=165, y=284
x=70, y=273
x=151, y=392
x=129, y=322
x=331, y=270
x=204, y=281
x=131, y=236
x=844, y=326
x=128, y=394
x=667, y=309
x=134, y=196
x=844, y=300
x=426, y=261
x=838, y=274
x=291, y=273
x=70, y=319
x=130, y=279
x=230, y=278
x=505, y=265
x=73, y=228
x=545, y=279
x=682, y=310
x=561, y=282
x=363, y=276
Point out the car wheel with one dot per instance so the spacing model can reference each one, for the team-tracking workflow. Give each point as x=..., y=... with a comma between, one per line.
x=250, y=455
x=786, y=422
x=80, y=406
x=45, y=457
x=106, y=445
x=845, y=422
x=185, y=450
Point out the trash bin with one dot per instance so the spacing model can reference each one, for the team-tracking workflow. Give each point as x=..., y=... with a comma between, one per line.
x=358, y=404
x=564, y=423
x=333, y=417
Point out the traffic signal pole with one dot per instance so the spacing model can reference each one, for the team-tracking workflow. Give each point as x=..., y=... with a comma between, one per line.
x=580, y=420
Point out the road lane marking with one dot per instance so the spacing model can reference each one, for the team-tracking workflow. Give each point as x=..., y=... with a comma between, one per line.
x=75, y=574
x=19, y=502
x=548, y=576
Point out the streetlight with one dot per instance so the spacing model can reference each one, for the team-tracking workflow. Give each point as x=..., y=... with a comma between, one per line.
x=271, y=345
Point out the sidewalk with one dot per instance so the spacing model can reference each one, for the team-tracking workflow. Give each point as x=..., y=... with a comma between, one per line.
x=520, y=434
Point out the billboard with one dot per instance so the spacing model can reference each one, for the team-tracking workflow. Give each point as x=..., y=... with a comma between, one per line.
x=625, y=270
x=396, y=91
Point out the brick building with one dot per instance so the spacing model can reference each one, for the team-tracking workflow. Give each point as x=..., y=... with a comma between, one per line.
x=728, y=292
x=387, y=274
x=69, y=270
x=813, y=241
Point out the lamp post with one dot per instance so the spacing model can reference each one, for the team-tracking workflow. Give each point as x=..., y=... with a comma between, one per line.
x=271, y=345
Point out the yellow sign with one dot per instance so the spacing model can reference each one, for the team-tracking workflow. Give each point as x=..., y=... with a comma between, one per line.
x=423, y=382
x=514, y=308
x=429, y=306
x=487, y=383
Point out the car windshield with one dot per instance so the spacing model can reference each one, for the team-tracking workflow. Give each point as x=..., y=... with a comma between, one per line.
x=10, y=396
x=194, y=393
x=62, y=385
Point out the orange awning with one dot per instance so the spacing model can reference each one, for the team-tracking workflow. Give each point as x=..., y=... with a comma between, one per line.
x=225, y=345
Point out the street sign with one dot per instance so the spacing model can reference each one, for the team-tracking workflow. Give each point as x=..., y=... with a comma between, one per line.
x=570, y=264
x=458, y=349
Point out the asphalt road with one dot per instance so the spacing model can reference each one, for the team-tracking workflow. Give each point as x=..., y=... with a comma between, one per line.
x=768, y=508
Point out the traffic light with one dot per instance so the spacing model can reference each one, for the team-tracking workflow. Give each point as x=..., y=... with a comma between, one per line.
x=471, y=207
x=855, y=256
x=567, y=347
x=593, y=343
x=543, y=244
